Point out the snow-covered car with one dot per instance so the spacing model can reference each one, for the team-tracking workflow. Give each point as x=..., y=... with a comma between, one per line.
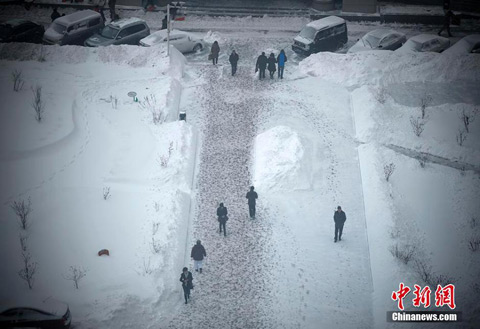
x=424, y=43
x=466, y=45
x=183, y=41
x=34, y=313
x=380, y=39
x=125, y=31
x=21, y=30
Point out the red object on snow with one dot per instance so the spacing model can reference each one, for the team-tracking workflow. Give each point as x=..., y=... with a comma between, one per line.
x=104, y=252
x=182, y=18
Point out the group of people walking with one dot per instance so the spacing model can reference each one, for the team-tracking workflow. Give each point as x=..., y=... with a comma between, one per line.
x=263, y=63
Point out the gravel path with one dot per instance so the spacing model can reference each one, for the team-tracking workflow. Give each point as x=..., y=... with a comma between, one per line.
x=233, y=291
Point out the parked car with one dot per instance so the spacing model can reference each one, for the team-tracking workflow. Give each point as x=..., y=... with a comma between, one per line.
x=424, y=43
x=126, y=31
x=466, y=45
x=183, y=41
x=48, y=313
x=380, y=39
x=326, y=34
x=73, y=29
x=21, y=30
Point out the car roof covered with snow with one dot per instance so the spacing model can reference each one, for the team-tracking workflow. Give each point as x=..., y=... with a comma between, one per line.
x=464, y=45
x=326, y=22
x=123, y=22
x=48, y=304
x=380, y=33
x=77, y=17
x=421, y=38
x=159, y=36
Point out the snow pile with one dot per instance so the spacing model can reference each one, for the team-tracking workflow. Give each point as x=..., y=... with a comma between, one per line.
x=278, y=157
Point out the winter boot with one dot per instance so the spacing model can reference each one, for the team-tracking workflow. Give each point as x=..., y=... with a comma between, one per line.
x=200, y=270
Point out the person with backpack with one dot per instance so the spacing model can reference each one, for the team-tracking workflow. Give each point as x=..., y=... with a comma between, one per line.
x=186, y=278
x=233, y=59
x=197, y=254
x=252, y=197
x=272, y=67
x=281, y=59
x=339, y=217
x=222, y=213
x=261, y=65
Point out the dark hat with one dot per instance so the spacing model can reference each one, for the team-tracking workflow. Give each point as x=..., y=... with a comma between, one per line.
x=221, y=204
x=199, y=242
x=185, y=269
x=252, y=187
x=339, y=207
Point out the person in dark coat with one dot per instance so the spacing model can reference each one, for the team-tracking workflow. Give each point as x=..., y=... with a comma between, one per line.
x=261, y=65
x=449, y=15
x=197, y=254
x=281, y=59
x=111, y=5
x=272, y=67
x=99, y=8
x=55, y=14
x=222, y=218
x=233, y=59
x=186, y=278
x=339, y=217
x=252, y=197
x=214, y=52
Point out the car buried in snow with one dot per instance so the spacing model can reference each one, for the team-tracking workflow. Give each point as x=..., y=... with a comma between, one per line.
x=21, y=30
x=424, y=43
x=125, y=31
x=467, y=45
x=48, y=313
x=379, y=39
x=184, y=42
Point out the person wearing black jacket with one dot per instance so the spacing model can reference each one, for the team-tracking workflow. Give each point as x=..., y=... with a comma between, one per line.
x=222, y=218
x=339, y=217
x=272, y=67
x=233, y=59
x=55, y=14
x=449, y=15
x=197, y=254
x=261, y=65
x=252, y=197
x=186, y=278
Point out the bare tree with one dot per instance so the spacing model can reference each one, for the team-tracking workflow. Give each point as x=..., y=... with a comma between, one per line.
x=37, y=103
x=17, y=80
x=417, y=125
x=461, y=136
x=388, y=170
x=425, y=101
x=22, y=210
x=29, y=269
x=75, y=274
x=106, y=192
x=468, y=117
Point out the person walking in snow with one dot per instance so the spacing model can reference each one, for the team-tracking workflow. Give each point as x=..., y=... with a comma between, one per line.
x=222, y=213
x=449, y=15
x=197, y=254
x=214, y=52
x=55, y=14
x=233, y=59
x=261, y=65
x=252, y=197
x=339, y=217
x=186, y=278
x=272, y=67
x=111, y=5
x=281, y=59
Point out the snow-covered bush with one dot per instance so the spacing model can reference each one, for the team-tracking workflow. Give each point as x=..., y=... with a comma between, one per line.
x=474, y=223
x=155, y=246
x=150, y=103
x=106, y=192
x=18, y=81
x=147, y=268
x=474, y=243
x=426, y=274
x=75, y=274
x=468, y=117
x=388, y=170
x=381, y=94
x=461, y=136
x=417, y=126
x=37, y=103
x=405, y=253
x=29, y=268
x=424, y=103
x=22, y=210
x=155, y=227
x=114, y=101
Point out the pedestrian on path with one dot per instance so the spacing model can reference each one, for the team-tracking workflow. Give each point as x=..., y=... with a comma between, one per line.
x=186, y=278
x=55, y=14
x=261, y=65
x=111, y=5
x=99, y=9
x=214, y=52
x=222, y=214
x=281, y=59
x=252, y=197
x=197, y=254
x=449, y=15
x=339, y=217
x=233, y=59
x=272, y=67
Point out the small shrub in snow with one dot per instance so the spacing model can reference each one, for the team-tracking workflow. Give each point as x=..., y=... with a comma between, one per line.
x=381, y=94
x=149, y=103
x=474, y=243
x=156, y=206
x=17, y=80
x=147, y=268
x=388, y=170
x=155, y=226
x=27, y=273
x=425, y=101
x=22, y=210
x=468, y=117
x=474, y=223
x=163, y=161
x=155, y=246
x=429, y=277
x=461, y=136
x=422, y=159
x=404, y=253
x=75, y=274
x=114, y=101
x=417, y=125
x=37, y=103
x=106, y=192
x=170, y=149
x=23, y=242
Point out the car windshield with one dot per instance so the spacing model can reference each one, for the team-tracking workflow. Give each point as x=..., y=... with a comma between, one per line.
x=308, y=32
x=371, y=41
x=59, y=28
x=109, y=32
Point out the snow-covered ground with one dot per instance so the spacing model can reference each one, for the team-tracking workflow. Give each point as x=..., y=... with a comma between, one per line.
x=317, y=139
